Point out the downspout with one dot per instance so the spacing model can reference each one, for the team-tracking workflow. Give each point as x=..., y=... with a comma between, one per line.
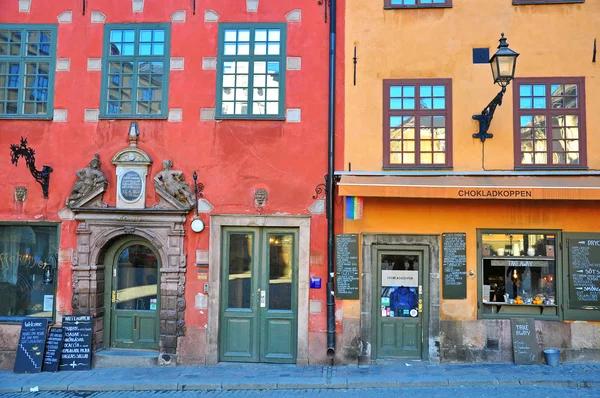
x=330, y=186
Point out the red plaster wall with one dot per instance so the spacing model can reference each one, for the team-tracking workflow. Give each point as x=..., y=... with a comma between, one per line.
x=231, y=157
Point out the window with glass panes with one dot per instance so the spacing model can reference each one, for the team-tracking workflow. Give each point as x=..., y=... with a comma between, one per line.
x=550, y=122
x=251, y=77
x=27, y=63
x=417, y=3
x=417, y=123
x=135, y=70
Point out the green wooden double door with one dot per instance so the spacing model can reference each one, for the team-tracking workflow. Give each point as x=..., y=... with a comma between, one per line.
x=131, y=286
x=259, y=290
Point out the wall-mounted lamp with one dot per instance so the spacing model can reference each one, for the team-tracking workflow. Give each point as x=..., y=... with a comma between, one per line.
x=49, y=266
x=503, y=63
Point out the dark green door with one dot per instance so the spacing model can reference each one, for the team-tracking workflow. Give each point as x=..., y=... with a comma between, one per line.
x=259, y=295
x=398, y=304
x=133, y=287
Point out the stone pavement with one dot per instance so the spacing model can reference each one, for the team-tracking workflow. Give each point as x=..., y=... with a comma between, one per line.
x=272, y=377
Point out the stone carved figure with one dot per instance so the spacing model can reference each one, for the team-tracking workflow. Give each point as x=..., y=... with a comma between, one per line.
x=172, y=182
x=89, y=179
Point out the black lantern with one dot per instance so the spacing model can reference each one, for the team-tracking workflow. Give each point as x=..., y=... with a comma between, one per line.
x=503, y=63
x=49, y=265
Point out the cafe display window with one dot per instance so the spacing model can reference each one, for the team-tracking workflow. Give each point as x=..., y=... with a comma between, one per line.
x=518, y=273
x=28, y=259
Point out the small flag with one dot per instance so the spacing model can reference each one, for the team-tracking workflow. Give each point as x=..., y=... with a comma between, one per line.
x=354, y=207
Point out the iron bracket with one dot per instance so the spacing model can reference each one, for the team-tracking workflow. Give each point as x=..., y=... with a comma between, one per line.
x=22, y=151
x=486, y=116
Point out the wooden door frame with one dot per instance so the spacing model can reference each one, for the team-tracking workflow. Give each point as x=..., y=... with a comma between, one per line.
x=111, y=258
x=302, y=223
x=423, y=252
x=431, y=330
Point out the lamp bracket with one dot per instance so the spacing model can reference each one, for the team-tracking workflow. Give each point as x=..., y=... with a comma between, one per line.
x=486, y=116
x=22, y=151
x=198, y=188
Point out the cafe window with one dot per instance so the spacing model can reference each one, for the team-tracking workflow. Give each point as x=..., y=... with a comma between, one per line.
x=518, y=274
x=28, y=259
x=550, y=123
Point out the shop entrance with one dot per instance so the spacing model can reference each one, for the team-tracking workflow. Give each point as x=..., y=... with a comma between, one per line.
x=131, y=287
x=259, y=290
x=400, y=289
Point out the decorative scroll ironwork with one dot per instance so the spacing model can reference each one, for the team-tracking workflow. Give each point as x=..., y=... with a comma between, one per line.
x=486, y=116
x=321, y=189
x=198, y=188
x=22, y=151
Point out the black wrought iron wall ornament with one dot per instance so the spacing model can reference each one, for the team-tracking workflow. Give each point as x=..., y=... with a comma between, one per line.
x=198, y=188
x=22, y=151
x=321, y=189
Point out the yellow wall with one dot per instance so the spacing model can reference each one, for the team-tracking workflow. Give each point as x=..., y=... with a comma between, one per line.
x=553, y=40
x=434, y=217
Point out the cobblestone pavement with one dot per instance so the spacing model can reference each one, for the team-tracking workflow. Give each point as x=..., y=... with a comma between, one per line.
x=429, y=392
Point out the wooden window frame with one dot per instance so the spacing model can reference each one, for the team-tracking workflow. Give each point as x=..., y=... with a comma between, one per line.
x=23, y=59
x=106, y=59
x=548, y=112
x=387, y=83
x=389, y=6
x=537, y=2
x=281, y=58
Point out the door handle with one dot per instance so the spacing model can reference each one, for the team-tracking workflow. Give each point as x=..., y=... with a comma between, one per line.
x=263, y=299
x=135, y=322
x=114, y=296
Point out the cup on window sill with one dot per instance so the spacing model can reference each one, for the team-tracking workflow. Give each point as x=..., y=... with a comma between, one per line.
x=500, y=251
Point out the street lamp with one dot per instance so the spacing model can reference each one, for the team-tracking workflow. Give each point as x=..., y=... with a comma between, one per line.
x=503, y=63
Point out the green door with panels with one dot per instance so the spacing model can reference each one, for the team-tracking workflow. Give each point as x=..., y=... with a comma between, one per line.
x=259, y=295
x=132, y=291
x=398, y=291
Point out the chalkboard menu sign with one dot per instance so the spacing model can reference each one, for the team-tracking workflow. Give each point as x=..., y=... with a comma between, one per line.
x=77, y=347
x=584, y=274
x=30, y=351
x=525, y=347
x=346, y=265
x=54, y=346
x=454, y=266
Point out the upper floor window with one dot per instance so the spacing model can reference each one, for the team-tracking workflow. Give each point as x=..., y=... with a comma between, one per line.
x=135, y=75
x=27, y=62
x=251, y=71
x=417, y=123
x=417, y=3
x=550, y=122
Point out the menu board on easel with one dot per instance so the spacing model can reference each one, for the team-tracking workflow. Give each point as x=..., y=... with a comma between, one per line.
x=454, y=266
x=77, y=348
x=346, y=266
x=584, y=274
x=30, y=351
x=54, y=346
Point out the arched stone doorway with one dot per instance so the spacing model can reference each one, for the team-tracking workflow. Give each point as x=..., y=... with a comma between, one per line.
x=163, y=231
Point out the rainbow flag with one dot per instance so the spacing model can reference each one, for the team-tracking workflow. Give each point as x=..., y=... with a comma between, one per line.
x=354, y=207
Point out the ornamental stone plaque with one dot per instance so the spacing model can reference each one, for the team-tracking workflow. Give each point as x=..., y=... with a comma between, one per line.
x=132, y=171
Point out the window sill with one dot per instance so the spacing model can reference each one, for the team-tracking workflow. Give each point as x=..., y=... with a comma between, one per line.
x=21, y=117
x=18, y=320
x=542, y=2
x=249, y=118
x=402, y=7
x=502, y=310
x=132, y=117
x=550, y=168
x=408, y=168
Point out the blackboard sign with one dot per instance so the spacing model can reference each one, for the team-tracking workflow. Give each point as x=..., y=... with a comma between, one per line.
x=54, y=346
x=30, y=351
x=525, y=347
x=346, y=266
x=77, y=347
x=584, y=274
x=454, y=266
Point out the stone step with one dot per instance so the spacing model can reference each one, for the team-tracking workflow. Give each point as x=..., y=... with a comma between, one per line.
x=124, y=358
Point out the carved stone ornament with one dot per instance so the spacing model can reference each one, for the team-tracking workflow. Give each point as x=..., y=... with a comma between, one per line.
x=260, y=197
x=90, y=186
x=172, y=190
x=20, y=194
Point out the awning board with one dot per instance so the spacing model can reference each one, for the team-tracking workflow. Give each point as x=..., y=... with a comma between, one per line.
x=473, y=187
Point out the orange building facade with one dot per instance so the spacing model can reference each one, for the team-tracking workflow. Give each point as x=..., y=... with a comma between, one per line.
x=125, y=101
x=460, y=239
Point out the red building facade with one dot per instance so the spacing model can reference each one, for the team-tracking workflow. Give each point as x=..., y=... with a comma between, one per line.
x=235, y=91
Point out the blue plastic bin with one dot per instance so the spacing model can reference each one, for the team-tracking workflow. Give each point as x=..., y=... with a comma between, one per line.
x=552, y=356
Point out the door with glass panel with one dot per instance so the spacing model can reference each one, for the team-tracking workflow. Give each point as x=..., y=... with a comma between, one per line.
x=259, y=295
x=398, y=303
x=134, y=300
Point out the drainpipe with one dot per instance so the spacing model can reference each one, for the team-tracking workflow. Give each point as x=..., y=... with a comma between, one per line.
x=330, y=186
